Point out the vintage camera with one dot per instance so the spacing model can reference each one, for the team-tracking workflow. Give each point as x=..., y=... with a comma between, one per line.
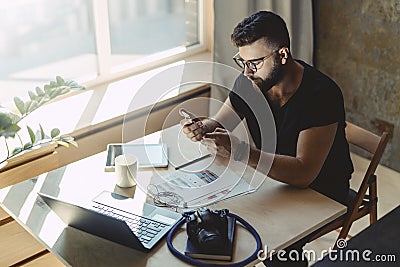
x=208, y=228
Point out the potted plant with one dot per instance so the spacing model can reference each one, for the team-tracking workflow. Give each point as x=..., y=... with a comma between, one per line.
x=10, y=126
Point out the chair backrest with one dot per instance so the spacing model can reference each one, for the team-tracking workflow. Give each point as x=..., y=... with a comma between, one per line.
x=375, y=145
x=368, y=141
x=362, y=138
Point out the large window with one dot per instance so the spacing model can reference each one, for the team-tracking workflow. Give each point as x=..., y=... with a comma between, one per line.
x=142, y=28
x=91, y=40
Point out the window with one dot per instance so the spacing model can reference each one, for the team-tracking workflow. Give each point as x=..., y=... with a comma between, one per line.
x=91, y=40
x=40, y=39
x=142, y=28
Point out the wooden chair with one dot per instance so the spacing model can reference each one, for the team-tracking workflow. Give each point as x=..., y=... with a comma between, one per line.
x=364, y=204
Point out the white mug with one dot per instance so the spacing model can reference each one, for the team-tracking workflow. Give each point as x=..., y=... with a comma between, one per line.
x=126, y=168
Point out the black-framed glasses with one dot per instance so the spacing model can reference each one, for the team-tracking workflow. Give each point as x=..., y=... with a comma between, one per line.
x=252, y=64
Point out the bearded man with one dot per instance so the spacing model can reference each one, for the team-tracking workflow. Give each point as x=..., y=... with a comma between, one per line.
x=307, y=108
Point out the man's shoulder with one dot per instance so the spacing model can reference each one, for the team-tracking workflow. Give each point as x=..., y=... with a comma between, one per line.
x=315, y=73
x=317, y=81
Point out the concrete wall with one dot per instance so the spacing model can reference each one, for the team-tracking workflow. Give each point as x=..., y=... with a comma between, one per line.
x=357, y=44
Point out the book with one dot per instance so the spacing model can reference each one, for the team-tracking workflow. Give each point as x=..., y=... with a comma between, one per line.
x=225, y=253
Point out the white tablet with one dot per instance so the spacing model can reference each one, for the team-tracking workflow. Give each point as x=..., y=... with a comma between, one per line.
x=149, y=155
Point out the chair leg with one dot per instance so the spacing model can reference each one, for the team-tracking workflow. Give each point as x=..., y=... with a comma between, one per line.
x=373, y=199
x=348, y=236
x=373, y=214
x=344, y=232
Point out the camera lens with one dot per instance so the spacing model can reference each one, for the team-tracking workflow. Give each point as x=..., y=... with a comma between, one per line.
x=210, y=238
x=208, y=229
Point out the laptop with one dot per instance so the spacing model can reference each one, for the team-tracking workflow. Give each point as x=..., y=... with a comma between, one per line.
x=123, y=220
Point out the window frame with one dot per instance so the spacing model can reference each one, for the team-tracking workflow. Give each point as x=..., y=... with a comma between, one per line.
x=103, y=46
x=102, y=75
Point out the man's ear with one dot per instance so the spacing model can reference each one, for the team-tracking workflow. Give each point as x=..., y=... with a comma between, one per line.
x=284, y=53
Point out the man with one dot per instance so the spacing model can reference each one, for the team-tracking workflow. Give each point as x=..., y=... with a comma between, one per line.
x=307, y=106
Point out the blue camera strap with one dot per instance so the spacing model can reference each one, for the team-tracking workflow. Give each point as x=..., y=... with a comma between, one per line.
x=192, y=261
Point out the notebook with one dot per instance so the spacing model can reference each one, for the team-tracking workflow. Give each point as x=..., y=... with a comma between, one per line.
x=123, y=220
x=224, y=253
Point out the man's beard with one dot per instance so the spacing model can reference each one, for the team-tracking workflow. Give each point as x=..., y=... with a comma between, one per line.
x=276, y=76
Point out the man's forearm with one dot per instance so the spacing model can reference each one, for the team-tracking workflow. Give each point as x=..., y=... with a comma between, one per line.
x=286, y=169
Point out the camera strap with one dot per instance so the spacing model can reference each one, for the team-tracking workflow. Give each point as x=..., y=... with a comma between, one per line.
x=194, y=262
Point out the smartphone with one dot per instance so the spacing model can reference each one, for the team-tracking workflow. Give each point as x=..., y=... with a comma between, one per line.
x=189, y=116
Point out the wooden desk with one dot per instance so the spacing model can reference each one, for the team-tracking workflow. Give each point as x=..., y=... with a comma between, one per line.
x=281, y=214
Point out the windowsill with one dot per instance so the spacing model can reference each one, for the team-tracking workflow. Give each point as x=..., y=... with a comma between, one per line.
x=101, y=103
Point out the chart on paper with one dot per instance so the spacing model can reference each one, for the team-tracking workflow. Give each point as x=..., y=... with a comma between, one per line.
x=203, y=186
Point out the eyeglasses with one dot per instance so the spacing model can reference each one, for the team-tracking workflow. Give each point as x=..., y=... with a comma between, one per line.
x=253, y=64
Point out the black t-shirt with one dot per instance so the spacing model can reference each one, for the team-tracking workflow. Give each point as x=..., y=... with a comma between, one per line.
x=317, y=102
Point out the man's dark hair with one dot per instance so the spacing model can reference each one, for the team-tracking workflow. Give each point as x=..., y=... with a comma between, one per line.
x=263, y=24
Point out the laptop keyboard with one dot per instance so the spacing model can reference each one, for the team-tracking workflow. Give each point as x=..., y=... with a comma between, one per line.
x=145, y=229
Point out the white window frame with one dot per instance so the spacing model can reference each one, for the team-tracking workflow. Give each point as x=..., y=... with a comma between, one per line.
x=103, y=46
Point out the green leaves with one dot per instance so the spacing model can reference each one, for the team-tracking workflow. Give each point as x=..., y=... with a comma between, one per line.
x=31, y=134
x=40, y=97
x=5, y=121
x=42, y=135
x=39, y=91
x=66, y=140
x=16, y=150
x=59, y=80
x=20, y=105
x=9, y=121
x=39, y=137
x=7, y=126
x=55, y=132
x=27, y=145
x=63, y=140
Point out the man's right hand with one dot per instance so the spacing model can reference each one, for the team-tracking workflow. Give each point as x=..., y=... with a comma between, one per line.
x=196, y=127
